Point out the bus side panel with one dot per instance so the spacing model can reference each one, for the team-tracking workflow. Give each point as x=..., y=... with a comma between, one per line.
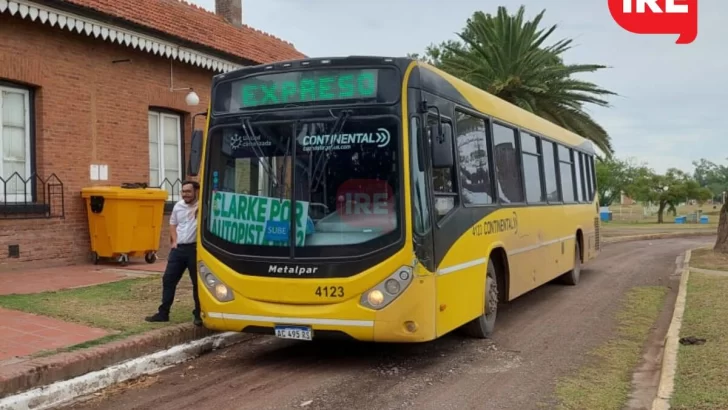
x=525, y=257
x=460, y=293
x=552, y=253
x=559, y=237
x=461, y=275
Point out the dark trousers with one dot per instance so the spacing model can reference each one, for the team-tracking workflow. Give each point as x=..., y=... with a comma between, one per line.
x=180, y=258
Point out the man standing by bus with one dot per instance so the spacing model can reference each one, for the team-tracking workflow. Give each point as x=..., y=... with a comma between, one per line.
x=183, y=252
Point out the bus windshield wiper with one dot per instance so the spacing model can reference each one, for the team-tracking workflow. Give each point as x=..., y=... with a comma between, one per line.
x=318, y=170
x=248, y=132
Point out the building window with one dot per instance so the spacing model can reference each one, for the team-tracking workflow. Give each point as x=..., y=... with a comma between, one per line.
x=165, y=153
x=508, y=168
x=15, y=173
x=474, y=168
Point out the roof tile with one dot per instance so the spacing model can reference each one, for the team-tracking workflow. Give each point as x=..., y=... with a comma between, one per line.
x=195, y=24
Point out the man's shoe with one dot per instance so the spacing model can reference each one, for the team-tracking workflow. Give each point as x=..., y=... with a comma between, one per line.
x=157, y=317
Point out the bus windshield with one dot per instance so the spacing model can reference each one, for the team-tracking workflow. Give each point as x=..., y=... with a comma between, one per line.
x=344, y=176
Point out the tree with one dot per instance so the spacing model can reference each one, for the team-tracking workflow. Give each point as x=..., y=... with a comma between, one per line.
x=614, y=177
x=506, y=56
x=721, y=243
x=712, y=176
x=668, y=190
x=715, y=178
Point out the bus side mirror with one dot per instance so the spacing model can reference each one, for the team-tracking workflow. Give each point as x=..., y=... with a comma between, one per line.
x=442, y=153
x=195, y=153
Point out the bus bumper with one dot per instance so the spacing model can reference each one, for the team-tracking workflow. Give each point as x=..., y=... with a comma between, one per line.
x=409, y=318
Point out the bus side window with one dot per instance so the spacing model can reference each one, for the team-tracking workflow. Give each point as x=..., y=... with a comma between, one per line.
x=443, y=181
x=474, y=162
x=420, y=199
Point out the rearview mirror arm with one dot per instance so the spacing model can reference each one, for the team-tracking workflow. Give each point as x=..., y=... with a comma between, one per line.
x=425, y=107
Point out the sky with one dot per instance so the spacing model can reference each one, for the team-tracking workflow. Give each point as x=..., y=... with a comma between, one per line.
x=671, y=97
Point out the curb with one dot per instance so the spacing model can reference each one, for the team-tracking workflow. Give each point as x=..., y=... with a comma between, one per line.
x=669, y=353
x=666, y=235
x=24, y=376
x=64, y=392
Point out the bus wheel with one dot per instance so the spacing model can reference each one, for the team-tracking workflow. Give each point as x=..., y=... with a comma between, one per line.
x=483, y=326
x=571, y=278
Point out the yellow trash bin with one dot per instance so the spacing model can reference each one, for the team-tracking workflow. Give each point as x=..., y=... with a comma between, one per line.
x=124, y=221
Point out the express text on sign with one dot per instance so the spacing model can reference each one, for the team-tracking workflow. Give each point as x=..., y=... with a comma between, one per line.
x=308, y=86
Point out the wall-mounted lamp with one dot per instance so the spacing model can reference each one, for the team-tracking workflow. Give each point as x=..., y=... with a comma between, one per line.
x=192, y=99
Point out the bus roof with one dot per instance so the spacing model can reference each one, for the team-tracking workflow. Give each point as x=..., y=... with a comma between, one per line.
x=479, y=99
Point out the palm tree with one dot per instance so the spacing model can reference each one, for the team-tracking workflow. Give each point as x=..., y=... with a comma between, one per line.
x=506, y=56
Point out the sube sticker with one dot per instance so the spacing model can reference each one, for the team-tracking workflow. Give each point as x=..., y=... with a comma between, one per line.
x=658, y=17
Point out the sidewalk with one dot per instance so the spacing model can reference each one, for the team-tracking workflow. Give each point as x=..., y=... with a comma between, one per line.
x=58, y=324
x=24, y=334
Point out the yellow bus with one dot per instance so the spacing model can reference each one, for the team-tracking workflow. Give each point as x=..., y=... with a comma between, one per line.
x=381, y=199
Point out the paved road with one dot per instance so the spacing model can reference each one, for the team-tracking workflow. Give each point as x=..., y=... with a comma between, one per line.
x=541, y=337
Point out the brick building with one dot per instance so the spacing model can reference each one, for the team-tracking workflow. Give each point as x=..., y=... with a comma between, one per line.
x=96, y=93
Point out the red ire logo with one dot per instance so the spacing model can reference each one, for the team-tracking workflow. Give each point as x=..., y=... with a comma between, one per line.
x=368, y=204
x=658, y=17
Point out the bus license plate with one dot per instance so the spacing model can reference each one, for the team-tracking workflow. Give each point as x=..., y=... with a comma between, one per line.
x=294, y=332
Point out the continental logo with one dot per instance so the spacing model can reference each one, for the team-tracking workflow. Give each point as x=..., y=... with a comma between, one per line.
x=497, y=226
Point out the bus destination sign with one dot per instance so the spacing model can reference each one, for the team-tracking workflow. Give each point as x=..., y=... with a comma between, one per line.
x=306, y=86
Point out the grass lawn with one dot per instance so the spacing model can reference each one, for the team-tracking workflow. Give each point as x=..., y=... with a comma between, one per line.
x=634, y=214
x=606, y=382
x=707, y=259
x=119, y=307
x=701, y=380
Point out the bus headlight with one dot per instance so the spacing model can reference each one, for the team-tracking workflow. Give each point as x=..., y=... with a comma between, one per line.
x=219, y=290
x=388, y=290
x=375, y=297
x=392, y=286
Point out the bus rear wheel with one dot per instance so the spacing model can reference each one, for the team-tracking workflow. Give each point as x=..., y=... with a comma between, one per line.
x=483, y=326
x=571, y=278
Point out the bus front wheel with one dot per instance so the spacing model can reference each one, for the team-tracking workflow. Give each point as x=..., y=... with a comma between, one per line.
x=483, y=326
